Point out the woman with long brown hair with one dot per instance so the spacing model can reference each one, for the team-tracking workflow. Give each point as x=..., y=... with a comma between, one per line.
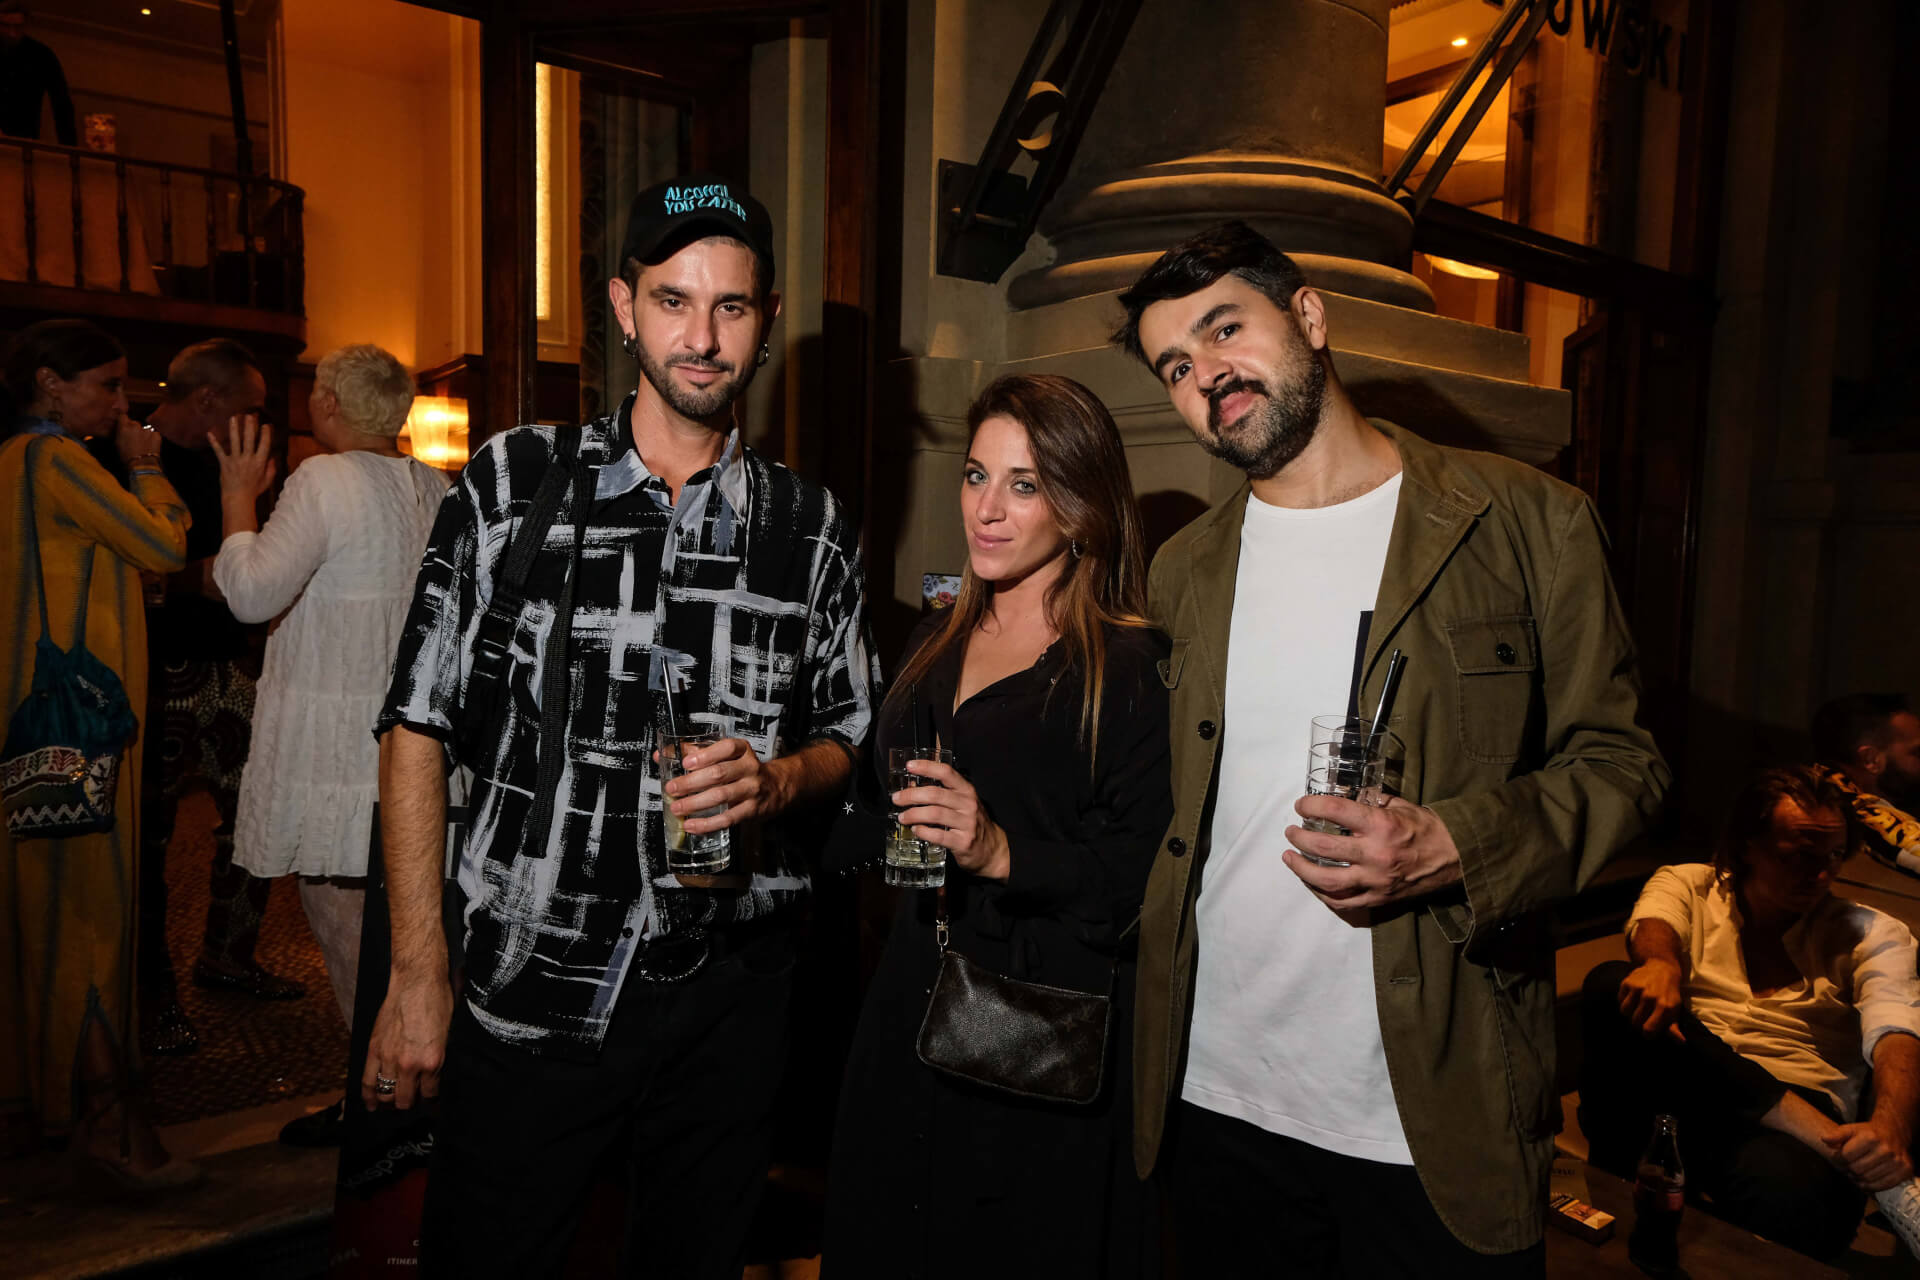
x=1041, y=681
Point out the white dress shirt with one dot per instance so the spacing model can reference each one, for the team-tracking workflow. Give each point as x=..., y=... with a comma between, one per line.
x=1858, y=982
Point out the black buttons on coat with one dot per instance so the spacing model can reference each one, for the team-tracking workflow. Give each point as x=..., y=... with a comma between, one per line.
x=1177, y=847
x=1505, y=653
x=1208, y=729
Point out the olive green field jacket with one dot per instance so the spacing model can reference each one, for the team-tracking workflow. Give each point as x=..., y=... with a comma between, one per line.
x=1518, y=708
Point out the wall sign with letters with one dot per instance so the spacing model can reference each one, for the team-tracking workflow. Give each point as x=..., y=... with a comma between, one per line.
x=1624, y=31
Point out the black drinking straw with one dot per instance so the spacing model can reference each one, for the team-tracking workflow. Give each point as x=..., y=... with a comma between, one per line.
x=673, y=721
x=913, y=709
x=1391, y=687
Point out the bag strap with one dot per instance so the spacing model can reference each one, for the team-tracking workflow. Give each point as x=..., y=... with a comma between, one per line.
x=33, y=536
x=554, y=671
x=943, y=934
x=40, y=564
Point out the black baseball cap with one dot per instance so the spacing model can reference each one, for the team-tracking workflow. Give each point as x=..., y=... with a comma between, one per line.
x=663, y=212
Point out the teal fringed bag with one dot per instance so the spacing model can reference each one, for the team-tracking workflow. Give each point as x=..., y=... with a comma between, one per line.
x=61, y=760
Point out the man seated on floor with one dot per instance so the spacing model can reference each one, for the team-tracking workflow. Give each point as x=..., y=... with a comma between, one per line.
x=1778, y=1024
x=1872, y=742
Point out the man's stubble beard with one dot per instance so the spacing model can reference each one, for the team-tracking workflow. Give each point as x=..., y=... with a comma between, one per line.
x=689, y=403
x=1276, y=429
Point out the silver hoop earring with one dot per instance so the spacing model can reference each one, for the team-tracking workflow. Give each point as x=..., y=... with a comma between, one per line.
x=630, y=344
x=1074, y=546
x=763, y=356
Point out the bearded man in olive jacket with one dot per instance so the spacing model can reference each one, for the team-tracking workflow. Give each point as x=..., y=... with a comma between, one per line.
x=1344, y=1056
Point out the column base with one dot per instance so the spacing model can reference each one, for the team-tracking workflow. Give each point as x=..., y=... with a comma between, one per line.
x=1344, y=232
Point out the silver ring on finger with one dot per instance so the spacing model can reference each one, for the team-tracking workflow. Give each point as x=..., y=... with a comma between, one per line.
x=384, y=1085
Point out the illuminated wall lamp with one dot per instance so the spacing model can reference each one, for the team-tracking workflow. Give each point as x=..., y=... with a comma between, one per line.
x=1463, y=269
x=436, y=432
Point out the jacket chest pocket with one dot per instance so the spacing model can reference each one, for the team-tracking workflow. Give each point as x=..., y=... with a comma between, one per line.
x=1496, y=662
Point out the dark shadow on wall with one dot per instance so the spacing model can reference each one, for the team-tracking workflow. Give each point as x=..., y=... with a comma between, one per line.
x=898, y=427
x=1166, y=512
x=798, y=365
x=1421, y=409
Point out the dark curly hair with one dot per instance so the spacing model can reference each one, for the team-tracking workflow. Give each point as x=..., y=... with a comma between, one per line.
x=1231, y=248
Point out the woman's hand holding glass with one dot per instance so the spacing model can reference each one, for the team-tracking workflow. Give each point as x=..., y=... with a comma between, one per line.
x=138, y=446
x=949, y=814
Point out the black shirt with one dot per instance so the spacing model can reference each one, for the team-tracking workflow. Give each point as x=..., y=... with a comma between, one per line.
x=189, y=627
x=29, y=73
x=935, y=1178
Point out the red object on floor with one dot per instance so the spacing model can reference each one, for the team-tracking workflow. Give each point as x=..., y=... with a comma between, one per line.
x=379, y=1236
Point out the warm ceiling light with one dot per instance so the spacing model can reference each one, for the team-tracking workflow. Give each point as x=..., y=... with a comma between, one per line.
x=1459, y=42
x=146, y=13
x=1462, y=269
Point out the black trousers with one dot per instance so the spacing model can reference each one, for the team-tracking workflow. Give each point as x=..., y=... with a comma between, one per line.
x=1770, y=1183
x=685, y=1080
x=1251, y=1203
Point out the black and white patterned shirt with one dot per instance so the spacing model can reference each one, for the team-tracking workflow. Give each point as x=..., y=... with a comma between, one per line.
x=749, y=591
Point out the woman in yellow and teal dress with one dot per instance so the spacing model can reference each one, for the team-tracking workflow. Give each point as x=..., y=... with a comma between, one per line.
x=67, y=905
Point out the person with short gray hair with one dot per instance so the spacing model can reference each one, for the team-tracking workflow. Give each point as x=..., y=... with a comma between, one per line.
x=337, y=559
x=372, y=392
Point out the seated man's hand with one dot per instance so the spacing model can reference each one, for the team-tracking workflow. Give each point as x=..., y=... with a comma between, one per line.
x=727, y=773
x=1872, y=1153
x=1651, y=995
x=1397, y=851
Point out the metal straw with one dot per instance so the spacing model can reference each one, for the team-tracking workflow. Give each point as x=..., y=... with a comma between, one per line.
x=1388, y=690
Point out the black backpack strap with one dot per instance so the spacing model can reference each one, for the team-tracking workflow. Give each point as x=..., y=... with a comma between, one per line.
x=554, y=670
x=486, y=684
x=532, y=534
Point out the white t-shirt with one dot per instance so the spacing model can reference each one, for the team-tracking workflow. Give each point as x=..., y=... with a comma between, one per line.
x=1286, y=1034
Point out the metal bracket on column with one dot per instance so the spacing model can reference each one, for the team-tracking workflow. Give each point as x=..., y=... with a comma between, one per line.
x=988, y=212
x=1528, y=16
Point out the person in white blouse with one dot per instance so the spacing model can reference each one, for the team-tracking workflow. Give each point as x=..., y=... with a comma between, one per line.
x=336, y=563
x=1779, y=1023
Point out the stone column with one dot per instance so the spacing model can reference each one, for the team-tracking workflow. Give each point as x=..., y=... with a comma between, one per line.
x=1267, y=110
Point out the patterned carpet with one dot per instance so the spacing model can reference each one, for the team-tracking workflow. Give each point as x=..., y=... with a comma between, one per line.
x=251, y=1051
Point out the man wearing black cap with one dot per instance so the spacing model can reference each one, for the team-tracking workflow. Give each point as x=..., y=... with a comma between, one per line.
x=607, y=1000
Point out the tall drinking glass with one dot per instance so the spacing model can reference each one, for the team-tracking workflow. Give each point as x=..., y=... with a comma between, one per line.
x=911, y=862
x=688, y=853
x=1346, y=758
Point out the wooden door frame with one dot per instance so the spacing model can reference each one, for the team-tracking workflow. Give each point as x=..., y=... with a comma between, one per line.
x=515, y=32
